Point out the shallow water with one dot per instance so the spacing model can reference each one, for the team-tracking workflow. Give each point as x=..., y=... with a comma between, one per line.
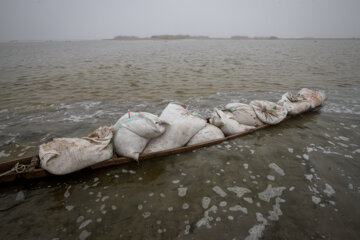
x=297, y=180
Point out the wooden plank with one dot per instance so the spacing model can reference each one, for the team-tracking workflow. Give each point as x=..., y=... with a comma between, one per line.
x=31, y=172
x=5, y=166
x=35, y=173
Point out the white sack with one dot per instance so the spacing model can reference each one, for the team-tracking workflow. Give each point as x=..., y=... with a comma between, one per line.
x=227, y=123
x=182, y=126
x=228, y=114
x=294, y=105
x=208, y=133
x=244, y=114
x=132, y=134
x=269, y=112
x=316, y=98
x=67, y=155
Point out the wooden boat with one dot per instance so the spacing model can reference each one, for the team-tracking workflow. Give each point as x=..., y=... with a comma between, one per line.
x=29, y=167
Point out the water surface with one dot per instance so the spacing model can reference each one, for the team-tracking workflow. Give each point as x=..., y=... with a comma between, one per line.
x=297, y=180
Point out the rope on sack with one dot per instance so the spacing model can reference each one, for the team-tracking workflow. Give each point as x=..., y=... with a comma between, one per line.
x=18, y=168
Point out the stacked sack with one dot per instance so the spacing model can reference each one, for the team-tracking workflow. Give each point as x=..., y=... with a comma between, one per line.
x=133, y=131
x=208, y=133
x=66, y=155
x=227, y=123
x=294, y=104
x=269, y=112
x=316, y=98
x=140, y=132
x=181, y=128
x=305, y=99
x=244, y=114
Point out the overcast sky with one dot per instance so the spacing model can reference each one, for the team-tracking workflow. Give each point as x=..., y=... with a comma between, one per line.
x=26, y=20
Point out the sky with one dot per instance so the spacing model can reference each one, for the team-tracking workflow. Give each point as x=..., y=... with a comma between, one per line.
x=41, y=20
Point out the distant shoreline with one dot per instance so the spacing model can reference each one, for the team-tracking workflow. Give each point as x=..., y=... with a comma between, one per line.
x=187, y=37
x=126, y=38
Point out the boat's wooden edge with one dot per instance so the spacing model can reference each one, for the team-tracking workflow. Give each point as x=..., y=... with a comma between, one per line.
x=122, y=160
x=30, y=173
x=38, y=172
x=35, y=173
x=9, y=164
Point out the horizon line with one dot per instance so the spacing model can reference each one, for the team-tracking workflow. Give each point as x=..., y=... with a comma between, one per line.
x=185, y=37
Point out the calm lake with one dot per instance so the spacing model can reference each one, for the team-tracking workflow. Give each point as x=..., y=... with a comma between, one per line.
x=296, y=180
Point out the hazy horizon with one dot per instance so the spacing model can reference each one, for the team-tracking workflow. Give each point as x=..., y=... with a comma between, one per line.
x=44, y=20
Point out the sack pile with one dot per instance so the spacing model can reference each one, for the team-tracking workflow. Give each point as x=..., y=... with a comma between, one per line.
x=316, y=98
x=269, y=112
x=244, y=114
x=136, y=133
x=227, y=123
x=294, y=104
x=133, y=131
x=66, y=155
x=207, y=133
x=181, y=128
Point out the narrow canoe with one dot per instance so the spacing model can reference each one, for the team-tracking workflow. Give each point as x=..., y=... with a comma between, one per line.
x=29, y=167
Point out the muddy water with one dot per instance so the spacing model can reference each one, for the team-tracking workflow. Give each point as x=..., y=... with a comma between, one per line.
x=296, y=180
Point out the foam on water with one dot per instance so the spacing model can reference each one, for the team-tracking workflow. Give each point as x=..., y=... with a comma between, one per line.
x=277, y=169
x=84, y=235
x=185, y=206
x=85, y=223
x=257, y=230
x=343, y=144
x=270, y=177
x=219, y=191
x=248, y=199
x=271, y=192
x=276, y=211
x=344, y=138
x=329, y=191
x=238, y=208
x=207, y=219
x=67, y=193
x=315, y=199
x=182, y=191
x=4, y=154
x=222, y=204
x=69, y=207
x=117, y=190
x=309, y=177
x=79, y=219
x=239, y=191
x=205, y=202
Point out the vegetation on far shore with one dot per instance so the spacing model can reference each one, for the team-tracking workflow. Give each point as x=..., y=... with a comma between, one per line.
x=237, y=37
